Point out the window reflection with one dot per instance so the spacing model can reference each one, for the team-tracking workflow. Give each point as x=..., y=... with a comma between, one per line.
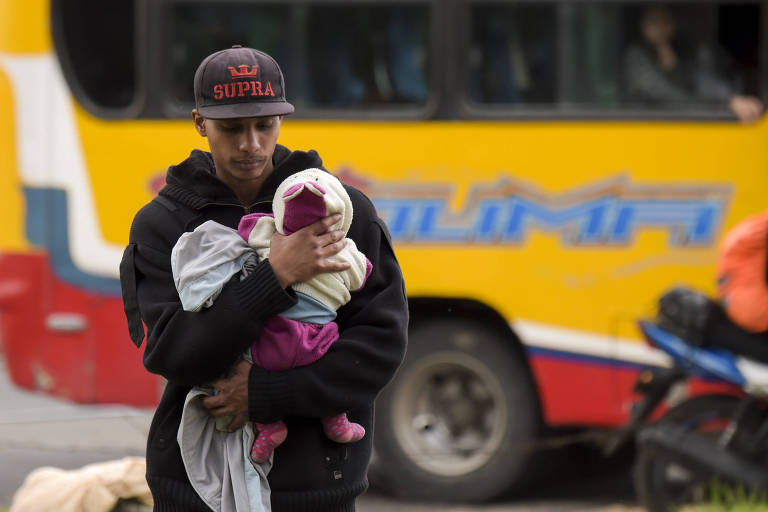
x=512, y=53
x=366, y=55
x=98, y=43
x=334, y=56
x=200, y=29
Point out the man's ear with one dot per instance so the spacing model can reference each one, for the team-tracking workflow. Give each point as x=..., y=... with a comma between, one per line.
x=199, y=123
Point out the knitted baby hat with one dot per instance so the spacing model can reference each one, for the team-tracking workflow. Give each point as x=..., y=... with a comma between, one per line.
x=324, y=195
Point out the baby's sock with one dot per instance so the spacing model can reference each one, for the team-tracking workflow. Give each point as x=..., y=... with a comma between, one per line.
x=270, y=436
x=338, y=428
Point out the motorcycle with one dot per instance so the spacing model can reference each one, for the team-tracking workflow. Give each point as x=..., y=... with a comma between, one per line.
x=707, y=440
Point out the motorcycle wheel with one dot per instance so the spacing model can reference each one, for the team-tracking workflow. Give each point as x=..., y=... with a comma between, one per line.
x=459, y=422
x=664, y=485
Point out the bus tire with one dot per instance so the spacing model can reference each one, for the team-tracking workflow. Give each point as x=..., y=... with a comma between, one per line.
x=460, y=420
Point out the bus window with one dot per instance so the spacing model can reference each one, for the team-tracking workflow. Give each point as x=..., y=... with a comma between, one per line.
x=512, y=54
x=95, y=40
x=595, y=57
x=200, y=28
x=366, y=55
x=684, y=57
x=334, y=56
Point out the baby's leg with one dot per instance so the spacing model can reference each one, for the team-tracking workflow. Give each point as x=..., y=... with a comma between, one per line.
x=270, y=436
x=338, y=428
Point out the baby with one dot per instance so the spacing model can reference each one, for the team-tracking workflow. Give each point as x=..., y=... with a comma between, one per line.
x=205, y=259
x=303, y=333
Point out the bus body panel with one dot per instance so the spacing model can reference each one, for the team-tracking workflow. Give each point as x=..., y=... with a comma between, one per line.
x=568, y=230
x=62, y=324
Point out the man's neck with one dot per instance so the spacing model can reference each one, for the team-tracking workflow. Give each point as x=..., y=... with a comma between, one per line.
x=247, y=191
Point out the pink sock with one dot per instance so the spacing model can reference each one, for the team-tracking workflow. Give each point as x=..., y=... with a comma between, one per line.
x=270, y=437
x=338, y=428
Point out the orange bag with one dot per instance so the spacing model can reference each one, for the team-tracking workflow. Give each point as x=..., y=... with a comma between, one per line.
x=741, y=270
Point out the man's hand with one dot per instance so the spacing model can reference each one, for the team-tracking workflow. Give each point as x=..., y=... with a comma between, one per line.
x=233, y=396
x=304, y=254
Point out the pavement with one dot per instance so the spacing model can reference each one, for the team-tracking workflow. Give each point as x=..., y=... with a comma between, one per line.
x=39, y=430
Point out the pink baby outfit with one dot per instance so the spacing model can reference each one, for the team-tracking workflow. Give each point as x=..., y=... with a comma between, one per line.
x=304, y=333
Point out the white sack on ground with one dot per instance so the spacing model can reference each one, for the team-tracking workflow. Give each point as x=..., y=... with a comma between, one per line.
x=92, y=488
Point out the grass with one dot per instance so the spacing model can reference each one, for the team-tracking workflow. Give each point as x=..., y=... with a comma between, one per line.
x=726, y=498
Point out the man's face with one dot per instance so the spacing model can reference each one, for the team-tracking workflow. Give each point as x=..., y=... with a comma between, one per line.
x=242, y=148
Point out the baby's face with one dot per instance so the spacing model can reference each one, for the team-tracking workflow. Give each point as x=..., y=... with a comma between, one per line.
x=308, y=196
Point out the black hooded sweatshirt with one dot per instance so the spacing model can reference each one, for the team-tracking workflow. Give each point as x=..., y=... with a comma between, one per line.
x=310, y=472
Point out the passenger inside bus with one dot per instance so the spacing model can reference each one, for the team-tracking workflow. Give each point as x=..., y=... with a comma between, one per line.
x=663, y=68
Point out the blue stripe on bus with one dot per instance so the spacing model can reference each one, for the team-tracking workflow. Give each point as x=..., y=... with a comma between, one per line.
x=609, y=221
x=46, y=226
x=549, y=353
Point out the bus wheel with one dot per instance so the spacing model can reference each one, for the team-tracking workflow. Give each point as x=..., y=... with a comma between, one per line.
x=459, y=421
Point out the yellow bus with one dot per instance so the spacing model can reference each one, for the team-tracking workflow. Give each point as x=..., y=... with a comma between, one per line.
x=538, y=203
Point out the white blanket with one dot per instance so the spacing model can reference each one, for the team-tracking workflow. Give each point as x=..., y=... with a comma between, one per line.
x=218, y=463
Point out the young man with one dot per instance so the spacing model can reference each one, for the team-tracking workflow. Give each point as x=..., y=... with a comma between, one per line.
x=240, y=103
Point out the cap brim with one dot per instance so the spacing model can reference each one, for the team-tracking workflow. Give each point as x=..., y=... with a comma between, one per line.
x=250, y=109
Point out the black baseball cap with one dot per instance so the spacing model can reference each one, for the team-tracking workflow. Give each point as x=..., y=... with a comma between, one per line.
x=240, y=82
